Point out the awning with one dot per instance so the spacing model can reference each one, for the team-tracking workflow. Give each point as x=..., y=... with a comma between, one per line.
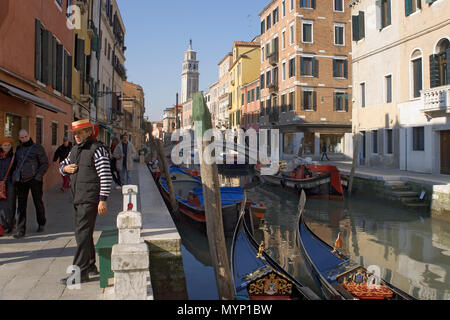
x=28, y=97
x=110, y=131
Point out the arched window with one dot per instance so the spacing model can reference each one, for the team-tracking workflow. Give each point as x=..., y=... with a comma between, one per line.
x=439, y=68
x=416, y=73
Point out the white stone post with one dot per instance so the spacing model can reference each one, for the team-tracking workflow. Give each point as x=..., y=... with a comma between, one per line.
x=130, y=258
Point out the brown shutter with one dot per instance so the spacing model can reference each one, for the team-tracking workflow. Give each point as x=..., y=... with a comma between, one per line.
x=37, y=49
x=44, y=60
x=59, y=67
x=54, y=62
x=50, y=58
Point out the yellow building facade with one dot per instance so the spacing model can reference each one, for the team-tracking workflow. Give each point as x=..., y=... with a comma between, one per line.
x=244, y=69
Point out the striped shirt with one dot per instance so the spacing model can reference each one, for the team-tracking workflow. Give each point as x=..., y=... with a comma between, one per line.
x=103, y=168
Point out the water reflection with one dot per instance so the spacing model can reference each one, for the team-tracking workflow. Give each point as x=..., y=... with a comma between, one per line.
x=412, y=252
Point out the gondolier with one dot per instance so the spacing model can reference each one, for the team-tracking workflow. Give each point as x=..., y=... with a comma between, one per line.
x=89, y=167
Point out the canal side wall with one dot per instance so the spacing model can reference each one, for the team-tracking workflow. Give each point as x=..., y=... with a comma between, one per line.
x=164, y=242
x=440, y=205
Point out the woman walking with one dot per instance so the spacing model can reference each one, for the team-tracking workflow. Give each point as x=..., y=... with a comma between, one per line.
x=8, y=194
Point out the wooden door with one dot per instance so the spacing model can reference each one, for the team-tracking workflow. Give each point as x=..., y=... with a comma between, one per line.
x=445, y=152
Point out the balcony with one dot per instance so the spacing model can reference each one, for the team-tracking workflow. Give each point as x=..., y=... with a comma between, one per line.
x=273, y=87
x=436, y=101
x=274, y=115
x=273, y=58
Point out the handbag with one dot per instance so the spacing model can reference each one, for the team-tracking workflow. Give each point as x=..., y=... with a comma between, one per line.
x=3, y=194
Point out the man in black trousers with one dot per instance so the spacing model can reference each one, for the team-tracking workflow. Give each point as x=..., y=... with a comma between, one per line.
x=31, y=166
x=90, y=182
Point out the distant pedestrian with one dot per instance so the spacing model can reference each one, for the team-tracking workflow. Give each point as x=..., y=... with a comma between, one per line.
x=124, y=154
x=324, y=152
x=60, y=155
x=7, y=195
x=114, y=171
x=32, y=164
x=89, y=168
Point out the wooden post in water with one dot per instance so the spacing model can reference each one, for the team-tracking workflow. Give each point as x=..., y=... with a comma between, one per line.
x=164, y=168
x=354, y=164
x=212, y=201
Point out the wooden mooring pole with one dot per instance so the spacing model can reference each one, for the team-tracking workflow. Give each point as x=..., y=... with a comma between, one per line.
x=212, y=201
x=354, y=163
x=164, y=168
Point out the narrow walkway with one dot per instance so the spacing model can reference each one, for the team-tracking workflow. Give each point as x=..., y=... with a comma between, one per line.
x=31, y=268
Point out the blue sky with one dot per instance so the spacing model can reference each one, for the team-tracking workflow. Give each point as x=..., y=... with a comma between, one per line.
x=158, y=33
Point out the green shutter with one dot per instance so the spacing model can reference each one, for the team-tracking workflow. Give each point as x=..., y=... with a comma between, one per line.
x=346, y=102
x=313, y=4
x=302, y=66
x=59, y=67
x=69, y=76
x=434, y=71
x=315, y=101
x=346, y=69
x=315, y=67
x=37, y=49
x=361, y=25
x=45, y=54
x=355, y=28
x=408, y=7
x=334, y=69
x=54, y=61
x=448, y=65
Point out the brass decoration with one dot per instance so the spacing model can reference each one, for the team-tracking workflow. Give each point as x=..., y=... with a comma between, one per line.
x=271, y=284
x=260, y=250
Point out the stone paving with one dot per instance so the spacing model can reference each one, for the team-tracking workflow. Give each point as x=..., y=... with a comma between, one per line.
x=30, y=268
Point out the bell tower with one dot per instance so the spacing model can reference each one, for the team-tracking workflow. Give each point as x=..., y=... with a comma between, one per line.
x=190, y=74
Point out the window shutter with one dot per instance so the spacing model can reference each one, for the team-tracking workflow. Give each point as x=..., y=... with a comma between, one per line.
x=447, y=52
x=346, y=102
x=49, y=58
x=315, y=101
x=434, y=71
x=302, y=66
x=37, y=49
x=346, y=69
x=302, y=99
x=379, y=15
x=313, y=4
x=54, y=61
x=334, y=69
x=45, y=54
x=69, y=76
x=334, y=101
x=315, y=67
x=59, y=68
x=355, y=28
x=361, y=25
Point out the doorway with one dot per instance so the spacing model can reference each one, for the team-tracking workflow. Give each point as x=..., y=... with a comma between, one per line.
x=445, y=152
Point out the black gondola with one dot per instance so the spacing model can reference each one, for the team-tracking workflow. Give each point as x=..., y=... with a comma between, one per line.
x=338, y=276
x=257, y=276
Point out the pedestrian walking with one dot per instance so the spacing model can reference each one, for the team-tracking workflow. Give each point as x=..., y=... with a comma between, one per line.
x=90, y=183
x=115, y=173
x=60, y=155
x=124, y=154
x=324, y=152
x=32, y=164
x=7, y=190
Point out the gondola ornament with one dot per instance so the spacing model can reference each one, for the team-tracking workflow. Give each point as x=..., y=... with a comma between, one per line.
x=260, y=250
x=337, y=244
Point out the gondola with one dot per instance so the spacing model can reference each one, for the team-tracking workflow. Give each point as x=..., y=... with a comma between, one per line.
x=256, y=276
x=189, y=197
x=338, y=276
x=318, y=181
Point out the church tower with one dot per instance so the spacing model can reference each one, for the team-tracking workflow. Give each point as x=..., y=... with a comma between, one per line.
x=190, y=75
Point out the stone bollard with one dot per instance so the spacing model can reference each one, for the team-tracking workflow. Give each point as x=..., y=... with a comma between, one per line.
x=130, y=258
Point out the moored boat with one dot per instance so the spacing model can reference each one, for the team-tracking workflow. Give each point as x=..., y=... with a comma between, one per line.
x=338, y=276
x=256, y=276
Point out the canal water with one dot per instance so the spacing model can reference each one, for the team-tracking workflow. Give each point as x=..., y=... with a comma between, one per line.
x=410, y=250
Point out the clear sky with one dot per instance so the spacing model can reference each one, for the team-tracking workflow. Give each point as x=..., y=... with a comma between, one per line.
x=158, y=33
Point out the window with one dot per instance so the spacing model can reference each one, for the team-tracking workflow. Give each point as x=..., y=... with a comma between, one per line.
x=39, y=130
x=292, y=5
x=307, y=32
x=242, y=99
x=358, y=26
x=283, y=9
x=306, y=66
x=268, y=77
x=412, y=6
x=363, y=94
x=340, y=68
x=340, y=101
x=419, y=139
x=59, y=2
x=283, y=71
x=388, y=86
x=288, y=143
x=389, y=142
x=291, y=100
x=261, y=81
x=339, y=5
x=54, y=133
x=262, y=54
x=283, y=40
x=383, y=8
x=291, y=34
x=258, y=92
x=267, y=49
x=308, y=4
x=417, y=76
x=283, y=100
x=268, y=21
x=339, y=35
x=275, y=75
x=292, y=68
x=439, y=67
x=275, y=16
x=375, y=141
x=309, y=100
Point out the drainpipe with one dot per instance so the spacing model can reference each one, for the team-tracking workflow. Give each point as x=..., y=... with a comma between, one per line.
x=98, y=60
